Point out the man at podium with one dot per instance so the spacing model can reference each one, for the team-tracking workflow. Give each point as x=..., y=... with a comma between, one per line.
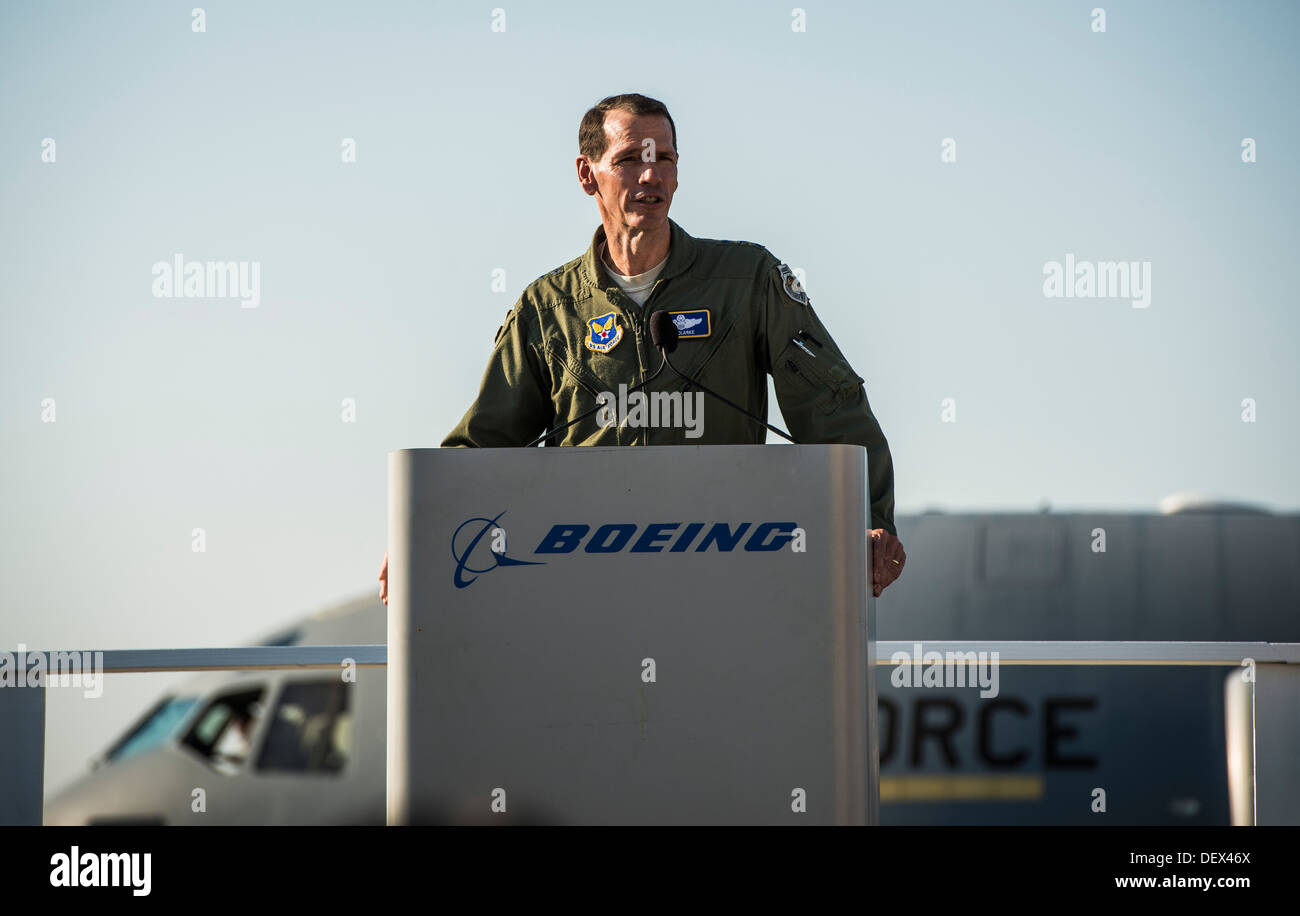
x=579, y=336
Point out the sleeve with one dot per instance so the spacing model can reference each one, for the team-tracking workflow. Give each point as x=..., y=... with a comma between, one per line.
x=822, y=399
x=512, y=407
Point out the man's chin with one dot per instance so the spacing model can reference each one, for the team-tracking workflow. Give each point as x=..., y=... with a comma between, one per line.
x=648, y=222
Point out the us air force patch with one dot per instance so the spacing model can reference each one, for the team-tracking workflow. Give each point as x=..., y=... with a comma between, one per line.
x=692, y=325
x=793, y=288
x=605, y=333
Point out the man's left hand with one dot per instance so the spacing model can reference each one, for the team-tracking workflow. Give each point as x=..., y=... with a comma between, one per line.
x=887, y=559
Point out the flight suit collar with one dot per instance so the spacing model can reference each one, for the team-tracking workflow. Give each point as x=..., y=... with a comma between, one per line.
x=681, y=253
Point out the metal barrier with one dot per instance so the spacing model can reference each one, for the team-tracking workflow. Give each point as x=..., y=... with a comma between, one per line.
x=1262, y=703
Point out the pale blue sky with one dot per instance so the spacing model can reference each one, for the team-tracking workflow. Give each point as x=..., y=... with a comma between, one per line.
x=824, y=146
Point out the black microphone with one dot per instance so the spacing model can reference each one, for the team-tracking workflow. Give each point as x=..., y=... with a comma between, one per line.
x=663, y=334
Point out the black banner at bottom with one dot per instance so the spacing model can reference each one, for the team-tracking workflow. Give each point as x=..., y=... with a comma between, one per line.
x=336, y=864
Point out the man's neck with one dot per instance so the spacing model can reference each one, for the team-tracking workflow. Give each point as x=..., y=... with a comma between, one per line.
x=631, y=254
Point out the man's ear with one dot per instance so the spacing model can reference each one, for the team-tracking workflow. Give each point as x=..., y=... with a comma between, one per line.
x=586, y=175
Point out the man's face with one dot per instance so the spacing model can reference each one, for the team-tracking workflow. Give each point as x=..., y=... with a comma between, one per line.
x=635, y=179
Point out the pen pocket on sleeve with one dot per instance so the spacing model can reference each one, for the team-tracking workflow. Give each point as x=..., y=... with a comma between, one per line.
x=810, y=365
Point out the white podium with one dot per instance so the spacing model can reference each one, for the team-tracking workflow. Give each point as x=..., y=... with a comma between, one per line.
x=662, y=635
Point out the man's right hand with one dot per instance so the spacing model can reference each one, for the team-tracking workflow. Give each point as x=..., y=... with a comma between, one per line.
x=887, y=557
x=383, y=580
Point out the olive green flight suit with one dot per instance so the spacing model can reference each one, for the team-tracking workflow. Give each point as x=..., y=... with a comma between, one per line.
x=543, y=372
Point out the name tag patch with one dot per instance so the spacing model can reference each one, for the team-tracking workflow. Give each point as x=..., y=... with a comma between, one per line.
x=693, y=324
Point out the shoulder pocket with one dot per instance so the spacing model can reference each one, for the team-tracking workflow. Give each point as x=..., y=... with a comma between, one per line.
x=808, y=364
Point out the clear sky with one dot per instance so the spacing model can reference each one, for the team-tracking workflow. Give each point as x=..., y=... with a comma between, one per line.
x=376, y=275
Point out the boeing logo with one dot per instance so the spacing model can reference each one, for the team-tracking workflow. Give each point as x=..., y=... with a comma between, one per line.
x=659, y=537
x=463, y=554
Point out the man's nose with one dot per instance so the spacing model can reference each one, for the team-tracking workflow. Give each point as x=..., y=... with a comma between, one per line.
x=650, y=174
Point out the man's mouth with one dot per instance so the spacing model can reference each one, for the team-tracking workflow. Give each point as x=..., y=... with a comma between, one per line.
x=649, y=199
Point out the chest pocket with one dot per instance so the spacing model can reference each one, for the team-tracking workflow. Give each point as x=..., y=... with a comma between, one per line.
x=693, y=357
x=573, y=364
x=827, y=378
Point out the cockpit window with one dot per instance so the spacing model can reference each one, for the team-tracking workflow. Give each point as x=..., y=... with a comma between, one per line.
x=223, y=732
x=311, y=730
x=155, y=728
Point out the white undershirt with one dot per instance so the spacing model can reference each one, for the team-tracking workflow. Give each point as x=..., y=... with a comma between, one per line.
x=637, y=288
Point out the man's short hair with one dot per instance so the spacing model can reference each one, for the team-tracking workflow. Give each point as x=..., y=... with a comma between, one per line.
x=592, y=141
